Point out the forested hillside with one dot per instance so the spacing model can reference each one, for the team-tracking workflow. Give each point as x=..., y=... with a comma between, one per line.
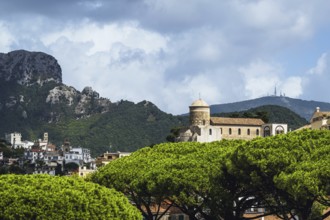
x=33, y=100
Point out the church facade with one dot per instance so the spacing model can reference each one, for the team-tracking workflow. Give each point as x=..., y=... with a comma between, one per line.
x=204, y=128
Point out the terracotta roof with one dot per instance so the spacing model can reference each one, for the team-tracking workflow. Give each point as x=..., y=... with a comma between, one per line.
x=320, y=115
x=236, y=121
x=304, y=127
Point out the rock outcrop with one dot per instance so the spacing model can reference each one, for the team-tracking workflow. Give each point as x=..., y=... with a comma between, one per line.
x=29, y=68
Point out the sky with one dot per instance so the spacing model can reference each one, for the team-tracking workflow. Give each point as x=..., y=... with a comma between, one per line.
x=172, y=52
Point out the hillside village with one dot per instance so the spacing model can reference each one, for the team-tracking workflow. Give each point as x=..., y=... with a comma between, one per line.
x=43, y=157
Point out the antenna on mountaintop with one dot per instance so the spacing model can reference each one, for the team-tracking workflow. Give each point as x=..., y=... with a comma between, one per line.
x=275, y=90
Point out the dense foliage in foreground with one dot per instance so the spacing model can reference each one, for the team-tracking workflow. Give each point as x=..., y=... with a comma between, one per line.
x=47, y=197
x=289, y=175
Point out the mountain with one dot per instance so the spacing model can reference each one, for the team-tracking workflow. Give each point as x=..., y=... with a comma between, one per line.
x=302, y=107
x=270, y=114
x=34, y=100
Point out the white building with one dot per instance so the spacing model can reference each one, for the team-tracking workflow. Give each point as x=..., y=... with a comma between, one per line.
x=27, y=144
x=53, y=156
x=34, y=155
x=78, y=156
x=15, y=139
x=274, y=129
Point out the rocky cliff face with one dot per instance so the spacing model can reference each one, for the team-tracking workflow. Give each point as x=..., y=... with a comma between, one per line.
x=31, y=85
x=29, y=68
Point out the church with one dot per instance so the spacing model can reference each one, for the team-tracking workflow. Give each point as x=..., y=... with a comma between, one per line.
x=204, y=128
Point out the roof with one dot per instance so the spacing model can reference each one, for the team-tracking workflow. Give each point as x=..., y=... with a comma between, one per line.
x=200, y=102
x=319, y=115
x=304, y=127
x=236, y=121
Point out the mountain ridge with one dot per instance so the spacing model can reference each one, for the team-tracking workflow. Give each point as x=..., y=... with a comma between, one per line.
x=303, y=108
x=33, y=100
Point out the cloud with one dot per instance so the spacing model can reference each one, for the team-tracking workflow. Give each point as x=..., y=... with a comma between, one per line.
x=169, y=51
x=262, y=78
x=316, y=80
x=321, y=65
x=6, y=38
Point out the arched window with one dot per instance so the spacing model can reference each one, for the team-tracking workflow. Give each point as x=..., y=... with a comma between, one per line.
x=279, y=130
x=257, y=132
x=239, y=131
x=248, y=131
x=229, y=130
x=266, y=131
x=210, y=131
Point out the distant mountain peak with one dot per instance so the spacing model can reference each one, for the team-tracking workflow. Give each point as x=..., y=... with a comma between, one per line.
x=29, y=68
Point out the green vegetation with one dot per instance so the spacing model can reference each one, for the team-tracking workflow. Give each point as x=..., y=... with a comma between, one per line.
x=286, y=174
x=125, y=127
x=46, y=197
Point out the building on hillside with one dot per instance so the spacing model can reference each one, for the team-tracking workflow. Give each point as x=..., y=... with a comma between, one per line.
x=320, y=119
x=27, y=144
x=34, y=155
x=43, y=143
x=53, y=156
x=85, y=171
x=107, y=157
x=15, y=139
x=78, y=155
x=49, y=168
x=204, y=128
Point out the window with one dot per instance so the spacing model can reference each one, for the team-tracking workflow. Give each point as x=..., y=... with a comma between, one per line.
x=266, y=131
x=257, y=132
x=210, y=132
x=248, y=131
x=229, y=130
x=239, y=131
x=220, y=130
x=279, y=129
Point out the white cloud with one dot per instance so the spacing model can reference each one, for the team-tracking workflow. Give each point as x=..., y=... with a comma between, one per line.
x=316, y=80
x=292, y=87
x=6, y=38
x=260, y=78
x=168, y=52
x=321, y=65
x=104, y=36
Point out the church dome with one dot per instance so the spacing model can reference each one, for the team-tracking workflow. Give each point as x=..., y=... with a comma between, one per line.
x=199, y=103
